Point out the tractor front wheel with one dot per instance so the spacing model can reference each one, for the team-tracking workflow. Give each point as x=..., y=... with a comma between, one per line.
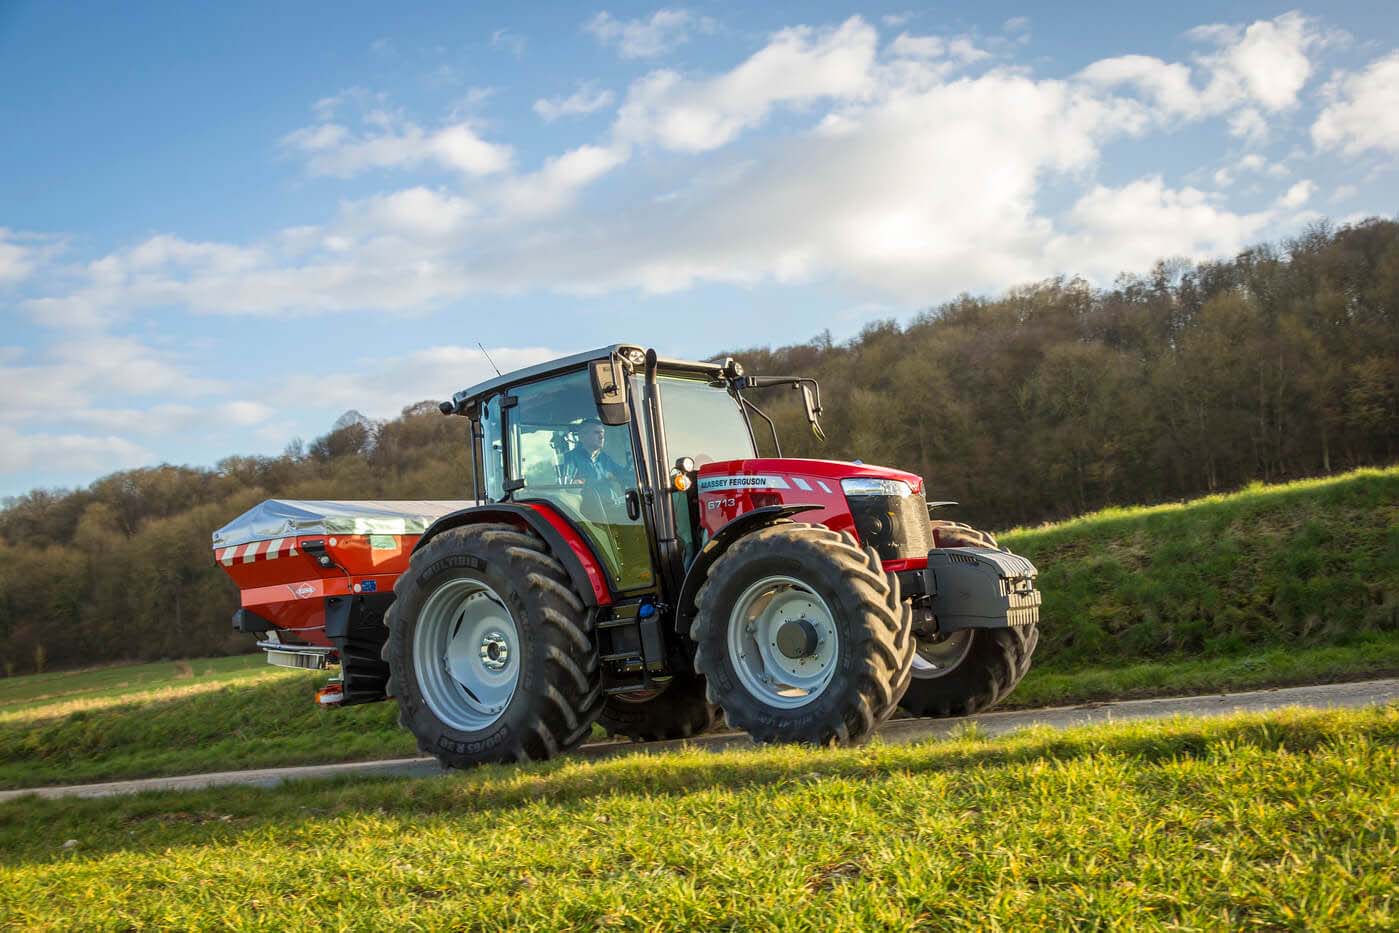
x=970, y=670
x=802, y=637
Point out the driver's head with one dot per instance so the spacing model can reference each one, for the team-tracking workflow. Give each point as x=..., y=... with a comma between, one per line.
x=590, y=436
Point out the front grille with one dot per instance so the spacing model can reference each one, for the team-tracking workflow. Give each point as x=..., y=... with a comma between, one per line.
x=895, y=526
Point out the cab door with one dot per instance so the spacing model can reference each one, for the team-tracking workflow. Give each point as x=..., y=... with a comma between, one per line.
x=544, y=440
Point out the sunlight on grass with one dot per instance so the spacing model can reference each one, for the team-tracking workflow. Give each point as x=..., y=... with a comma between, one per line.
x=1283, y=820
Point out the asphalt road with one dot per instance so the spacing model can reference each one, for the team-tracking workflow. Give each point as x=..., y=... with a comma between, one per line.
x=1364, y=693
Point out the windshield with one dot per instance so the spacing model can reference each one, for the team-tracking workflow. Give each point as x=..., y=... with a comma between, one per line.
x=703, y=422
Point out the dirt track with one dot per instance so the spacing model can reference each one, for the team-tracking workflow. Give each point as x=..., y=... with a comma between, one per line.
x=1364, y=693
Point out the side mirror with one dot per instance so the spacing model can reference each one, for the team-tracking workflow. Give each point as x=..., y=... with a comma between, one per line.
x=610, y=391
x=812, y=410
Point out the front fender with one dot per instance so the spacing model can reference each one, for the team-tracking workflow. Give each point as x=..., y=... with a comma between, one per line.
x=717, y=544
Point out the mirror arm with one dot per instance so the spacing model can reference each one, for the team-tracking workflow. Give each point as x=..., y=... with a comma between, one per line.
x=776, y=444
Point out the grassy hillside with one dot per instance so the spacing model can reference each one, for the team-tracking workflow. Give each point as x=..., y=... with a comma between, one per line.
x=1306, y=564
x=1280, y=821
x=1273, y=585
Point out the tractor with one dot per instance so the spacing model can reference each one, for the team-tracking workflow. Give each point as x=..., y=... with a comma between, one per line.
x=630, y=559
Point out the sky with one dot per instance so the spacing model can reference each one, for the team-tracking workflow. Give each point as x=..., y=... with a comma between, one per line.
x=223, y=225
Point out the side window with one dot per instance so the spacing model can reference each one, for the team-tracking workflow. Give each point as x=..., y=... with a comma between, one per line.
x=492, y=452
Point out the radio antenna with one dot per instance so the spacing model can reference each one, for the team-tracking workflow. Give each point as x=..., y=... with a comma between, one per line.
x=488, y=358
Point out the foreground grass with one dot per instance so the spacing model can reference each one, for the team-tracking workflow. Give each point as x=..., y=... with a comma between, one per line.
x=1289, y=819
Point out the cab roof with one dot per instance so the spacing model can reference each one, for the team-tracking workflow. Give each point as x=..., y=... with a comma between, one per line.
x=632, y=353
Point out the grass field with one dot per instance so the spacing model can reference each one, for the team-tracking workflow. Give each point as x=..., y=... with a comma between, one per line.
x=1270, y=586
x=1285, y=820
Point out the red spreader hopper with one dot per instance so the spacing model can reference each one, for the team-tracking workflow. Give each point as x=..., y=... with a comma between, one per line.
x=315, y=577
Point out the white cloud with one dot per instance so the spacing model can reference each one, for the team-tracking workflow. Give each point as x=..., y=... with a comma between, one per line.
x=586, y=99
x=1363, y=110
x=59, y=454
x=1252, y=163
x=381, y=386
x=1266, y=61
x=1297, y=195
x=1167, y=85
x=554, y=185
x=1248, y=124
x=960, y=50
x=798, y=66
x=1252, y=71
x=1117, y=229
x=416, y=213
x=16, y=260
x=387, y=141
x=21, y=254
x=647, y=38
x=1344, y=193
x=76, y=375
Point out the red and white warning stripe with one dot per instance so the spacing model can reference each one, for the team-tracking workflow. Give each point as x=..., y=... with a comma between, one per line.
x=247, y=553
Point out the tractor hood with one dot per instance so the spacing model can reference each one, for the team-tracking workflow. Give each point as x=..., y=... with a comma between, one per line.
x=785, y=473
x=896, y=523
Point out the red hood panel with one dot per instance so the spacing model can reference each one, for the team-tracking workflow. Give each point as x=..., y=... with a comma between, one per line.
x=812, y=469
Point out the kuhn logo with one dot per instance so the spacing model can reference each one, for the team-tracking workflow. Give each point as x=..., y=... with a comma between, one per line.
x=303, y=591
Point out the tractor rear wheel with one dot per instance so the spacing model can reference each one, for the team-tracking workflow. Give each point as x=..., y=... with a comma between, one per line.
x=678, y=711
x=802, y=637
x=490, y=650
x=969, y=670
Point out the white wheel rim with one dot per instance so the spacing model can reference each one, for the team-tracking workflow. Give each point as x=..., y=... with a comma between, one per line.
x=940, y=655
x=466, y=654
x=759, y=648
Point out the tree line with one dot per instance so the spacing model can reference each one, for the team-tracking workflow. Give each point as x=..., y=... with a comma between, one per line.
x=1051, y=400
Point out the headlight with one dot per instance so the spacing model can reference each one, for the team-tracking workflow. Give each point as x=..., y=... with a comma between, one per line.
x=873, y=486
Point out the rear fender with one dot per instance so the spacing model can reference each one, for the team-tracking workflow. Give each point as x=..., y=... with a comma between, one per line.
x=717, y=545
x=570, y=547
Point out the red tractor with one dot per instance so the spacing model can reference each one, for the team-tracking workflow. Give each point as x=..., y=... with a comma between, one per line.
x=629, y=559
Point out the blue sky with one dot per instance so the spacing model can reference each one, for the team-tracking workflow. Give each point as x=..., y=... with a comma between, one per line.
x=223, y=225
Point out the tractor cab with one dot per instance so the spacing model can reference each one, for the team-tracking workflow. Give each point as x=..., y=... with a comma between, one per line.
x=614, y=441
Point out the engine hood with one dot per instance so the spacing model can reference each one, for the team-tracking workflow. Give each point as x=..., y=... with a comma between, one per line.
x=767, y=471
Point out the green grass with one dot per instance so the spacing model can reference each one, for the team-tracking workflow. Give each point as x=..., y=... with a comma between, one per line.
x=30, y=693
x=1306, y=564
x=1289, y=819
x=263, y=718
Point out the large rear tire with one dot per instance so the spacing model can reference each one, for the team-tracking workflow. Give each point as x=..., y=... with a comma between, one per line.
x=679, y=711
x=490, y=649
x=802, y=637
x=970, y=670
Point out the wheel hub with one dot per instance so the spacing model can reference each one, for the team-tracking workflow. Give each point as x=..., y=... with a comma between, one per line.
x=495, y=651
x=797, y=639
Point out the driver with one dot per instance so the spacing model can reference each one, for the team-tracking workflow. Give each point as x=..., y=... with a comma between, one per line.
x=588, y=462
